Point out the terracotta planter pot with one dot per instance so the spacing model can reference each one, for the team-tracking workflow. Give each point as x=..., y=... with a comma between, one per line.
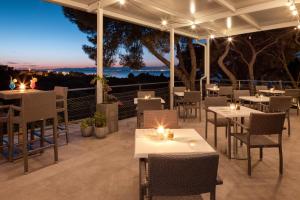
x=87, y=132
x=100, y=132
x=111, y=112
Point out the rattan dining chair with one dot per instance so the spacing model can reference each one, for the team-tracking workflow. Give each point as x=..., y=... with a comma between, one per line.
x=281, y=104
x=191, y=102
x=176, y=98
x=261, y=126
x=146, y=104
x=180, y=175
x=62, y=108
x=165, y=118
x=142, y=94
x=217, y=122
x=295, y=94
x=4, y=127
x=260, y=87
x=35, y=108
x=238, y=93
x=226, y=91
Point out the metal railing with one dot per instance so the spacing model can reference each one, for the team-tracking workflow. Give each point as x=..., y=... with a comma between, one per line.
x=82, y=101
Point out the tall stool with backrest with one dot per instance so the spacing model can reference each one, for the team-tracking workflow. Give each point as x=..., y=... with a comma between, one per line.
x=146, y=104
x=4, y=124
x=37, y=107
x=217, y=122
x=180, y=175
x=261, y=126
x=62, y=107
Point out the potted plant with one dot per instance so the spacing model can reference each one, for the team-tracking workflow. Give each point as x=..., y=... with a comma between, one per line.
x=110, y=105
x=87, y=127
x=100, y=128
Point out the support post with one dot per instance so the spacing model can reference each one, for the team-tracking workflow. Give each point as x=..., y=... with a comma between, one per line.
x=207, y=61
x=99, y=92
x=172, y=67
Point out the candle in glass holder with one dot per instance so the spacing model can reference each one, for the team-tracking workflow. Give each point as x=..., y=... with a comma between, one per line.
x=171, y=135
x=232, y=106
x=160, y=131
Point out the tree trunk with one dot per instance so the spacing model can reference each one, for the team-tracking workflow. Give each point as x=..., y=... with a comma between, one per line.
x=193, y=64
x=224, y=68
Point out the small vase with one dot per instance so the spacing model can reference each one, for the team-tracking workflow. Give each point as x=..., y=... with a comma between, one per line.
x=12, y=85
x=32, y=84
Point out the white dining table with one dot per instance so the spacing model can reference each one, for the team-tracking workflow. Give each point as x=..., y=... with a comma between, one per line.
x=179, y=94
x=254, y=99
x=272, y=92
x=185, y=141
x=233, y=114
x=161, y=100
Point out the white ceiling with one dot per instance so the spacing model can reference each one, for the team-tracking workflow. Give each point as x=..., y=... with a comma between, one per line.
x=209, y=17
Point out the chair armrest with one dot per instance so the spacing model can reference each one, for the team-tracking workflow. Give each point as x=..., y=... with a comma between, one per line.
x=4, y=107
x=219, y=180
x=240, y=124
x=15, y=108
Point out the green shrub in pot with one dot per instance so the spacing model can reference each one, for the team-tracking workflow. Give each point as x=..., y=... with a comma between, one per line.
x=100, y=128
x=87, y=127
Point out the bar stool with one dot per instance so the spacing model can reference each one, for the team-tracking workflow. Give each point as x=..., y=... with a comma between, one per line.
x=4, y=120
x=35, y=108
x=62, y=107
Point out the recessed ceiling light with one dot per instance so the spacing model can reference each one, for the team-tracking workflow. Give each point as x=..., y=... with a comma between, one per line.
x=193, y=26
x=192, y=7
x=164, y=22
x=122, y=2
x=229, y=39
x=212, y=36
x=229, y=22
x=298, y=26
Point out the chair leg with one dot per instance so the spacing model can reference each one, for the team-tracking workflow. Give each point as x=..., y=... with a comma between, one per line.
x=215, y=135
x=261, y=153
x=289, y=124
x=66, y=125
x=249, y=160
x=42, y=134
x=280, y=160
x=226, y=131
x=206, y=124
x=229, y=141
x=25, y=148
x=213, y=194
x=55, y=140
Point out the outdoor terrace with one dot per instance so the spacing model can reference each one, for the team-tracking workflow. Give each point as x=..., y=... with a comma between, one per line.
x=90, y=168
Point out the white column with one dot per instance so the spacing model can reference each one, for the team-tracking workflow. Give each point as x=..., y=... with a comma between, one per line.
x=207, y=61
x=99, y=53
x=172, y=60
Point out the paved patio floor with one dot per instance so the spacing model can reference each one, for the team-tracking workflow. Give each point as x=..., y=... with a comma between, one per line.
x=93, y=169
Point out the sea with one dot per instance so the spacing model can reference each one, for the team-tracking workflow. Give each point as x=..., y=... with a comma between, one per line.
x=119, y=72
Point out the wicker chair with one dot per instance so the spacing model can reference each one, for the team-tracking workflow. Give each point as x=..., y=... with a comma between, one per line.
x=35, y=108
x=238, y=93
x=217, y=122
x=295, y=94
x=281, y=104
x=226, y=91
x=4, y=126
x=260, y=127
x=180, y=175
x=146, y=104
x=191, y=101
x=142, y=94
x=62, y=107
x=155, y=118
x=176, y=98
x=260, y=87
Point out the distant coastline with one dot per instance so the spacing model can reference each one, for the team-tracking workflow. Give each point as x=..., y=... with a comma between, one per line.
x=118, y=72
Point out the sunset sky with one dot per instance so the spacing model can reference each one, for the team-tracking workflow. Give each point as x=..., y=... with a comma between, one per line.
x=35, y=34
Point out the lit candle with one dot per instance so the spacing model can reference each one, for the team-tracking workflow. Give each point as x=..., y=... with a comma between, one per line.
x=160, y=129
x=22, y=87
x=232, y=106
